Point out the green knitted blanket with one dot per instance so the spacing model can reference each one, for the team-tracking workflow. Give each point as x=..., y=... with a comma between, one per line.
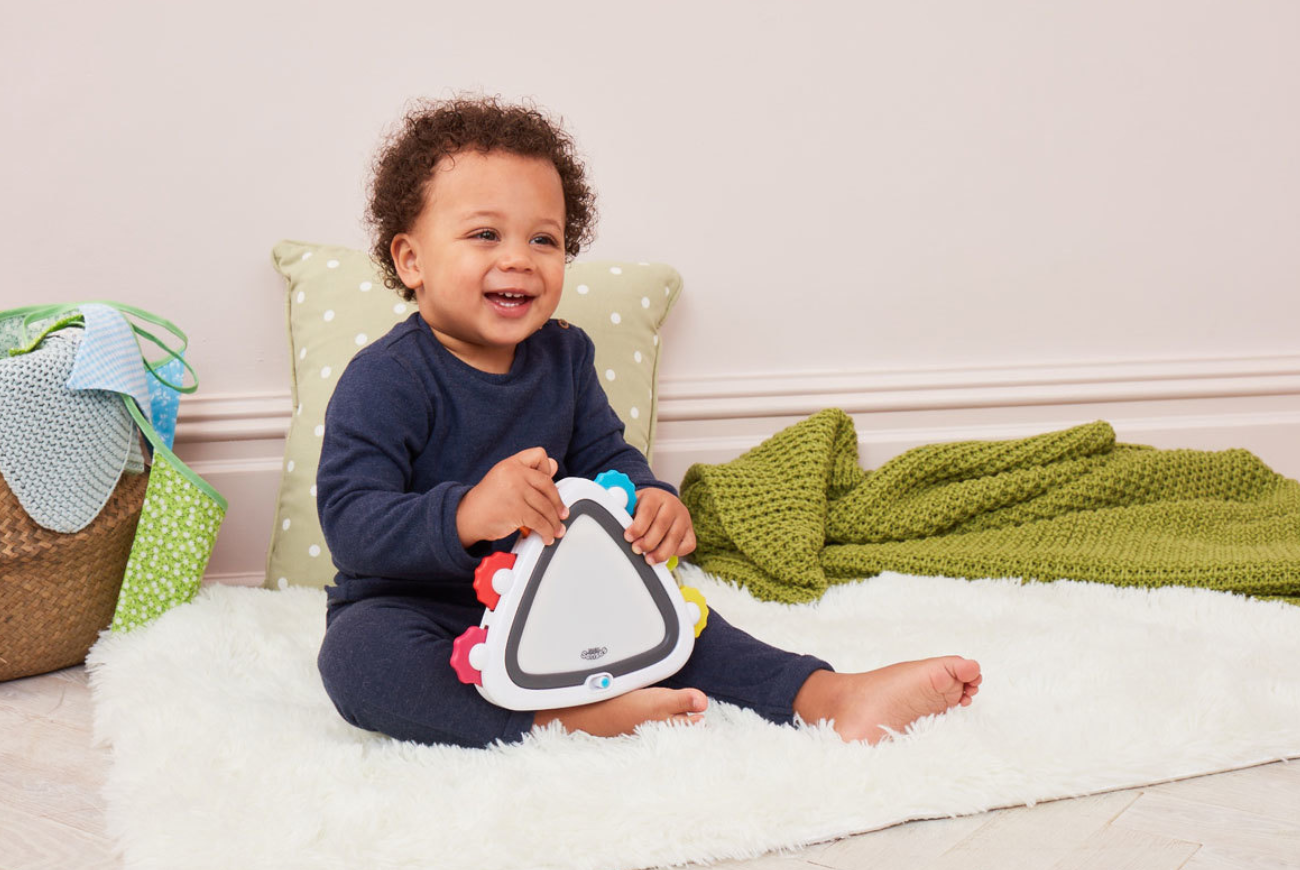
x=798, y=513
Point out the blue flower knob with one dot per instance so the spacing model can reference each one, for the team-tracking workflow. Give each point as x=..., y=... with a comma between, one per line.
x=615, y=481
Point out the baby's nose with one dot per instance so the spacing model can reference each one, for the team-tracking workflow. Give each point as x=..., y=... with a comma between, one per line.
x=515, y=257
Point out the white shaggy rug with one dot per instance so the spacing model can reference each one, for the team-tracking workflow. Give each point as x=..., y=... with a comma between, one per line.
x=227, y=753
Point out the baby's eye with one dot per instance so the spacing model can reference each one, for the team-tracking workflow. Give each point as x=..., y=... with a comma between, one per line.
x=486, y=235
x=546, y=240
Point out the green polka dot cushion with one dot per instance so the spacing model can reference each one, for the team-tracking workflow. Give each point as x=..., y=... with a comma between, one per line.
x=337, y=304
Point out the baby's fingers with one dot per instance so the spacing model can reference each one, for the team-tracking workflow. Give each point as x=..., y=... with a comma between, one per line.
x=548, y=510
x=671, y=544
x=536, y=458
x=539, y=518
x=661, y=538
x=642, y=521
x=649, y=508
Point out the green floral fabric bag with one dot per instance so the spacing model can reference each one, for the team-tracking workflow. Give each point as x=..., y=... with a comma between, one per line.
x=178, y=527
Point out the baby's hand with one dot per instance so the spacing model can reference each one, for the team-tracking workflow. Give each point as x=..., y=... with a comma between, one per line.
x=517, y=492
x=662, y=526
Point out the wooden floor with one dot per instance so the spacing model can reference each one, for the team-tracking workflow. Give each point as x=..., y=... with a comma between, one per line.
x=52, y=816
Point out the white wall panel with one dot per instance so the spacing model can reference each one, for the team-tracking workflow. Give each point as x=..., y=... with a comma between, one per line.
x=956, y=218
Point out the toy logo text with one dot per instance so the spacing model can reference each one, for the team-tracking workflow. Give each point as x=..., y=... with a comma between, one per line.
x=594, y=653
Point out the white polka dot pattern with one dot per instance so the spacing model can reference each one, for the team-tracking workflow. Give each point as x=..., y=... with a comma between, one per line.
x=621, y=308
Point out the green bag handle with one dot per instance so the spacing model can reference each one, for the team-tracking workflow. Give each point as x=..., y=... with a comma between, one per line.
x=161, y=448
x=32, y=313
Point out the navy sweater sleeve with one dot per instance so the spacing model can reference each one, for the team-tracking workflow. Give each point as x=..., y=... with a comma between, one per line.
x=377, y=424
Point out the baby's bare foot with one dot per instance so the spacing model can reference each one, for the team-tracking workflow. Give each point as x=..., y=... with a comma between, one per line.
x=621, y=715
x=863, y=705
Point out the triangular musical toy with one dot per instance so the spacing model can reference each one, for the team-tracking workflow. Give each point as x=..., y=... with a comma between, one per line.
x=581, y=620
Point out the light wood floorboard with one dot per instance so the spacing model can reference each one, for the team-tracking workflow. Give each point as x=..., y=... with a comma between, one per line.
x=52, y=813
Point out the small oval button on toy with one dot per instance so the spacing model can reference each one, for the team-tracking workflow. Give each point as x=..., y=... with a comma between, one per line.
x=600, y=682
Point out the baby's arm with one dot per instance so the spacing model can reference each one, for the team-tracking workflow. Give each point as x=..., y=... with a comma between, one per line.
x=377, y=423
x=517, y=492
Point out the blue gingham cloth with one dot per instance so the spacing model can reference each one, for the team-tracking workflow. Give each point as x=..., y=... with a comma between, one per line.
x=109, y=357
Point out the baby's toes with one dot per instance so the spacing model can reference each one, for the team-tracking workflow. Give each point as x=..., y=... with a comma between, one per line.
x=966, y=670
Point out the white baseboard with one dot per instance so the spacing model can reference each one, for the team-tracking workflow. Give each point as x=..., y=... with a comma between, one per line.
x=238, y=579
x=237, y=441
x=777, y=395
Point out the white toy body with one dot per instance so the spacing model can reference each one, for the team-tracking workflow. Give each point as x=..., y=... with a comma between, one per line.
x=581, y=620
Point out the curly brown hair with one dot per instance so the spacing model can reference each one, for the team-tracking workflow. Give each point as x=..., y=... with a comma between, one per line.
x=433, y=130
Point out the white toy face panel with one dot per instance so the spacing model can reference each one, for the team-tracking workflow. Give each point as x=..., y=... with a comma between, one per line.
x=591, y=607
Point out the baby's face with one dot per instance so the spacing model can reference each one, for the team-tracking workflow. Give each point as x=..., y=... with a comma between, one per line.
x=486, y=256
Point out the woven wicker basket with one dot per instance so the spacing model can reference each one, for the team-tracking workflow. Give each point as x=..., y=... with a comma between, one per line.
x=58, y=591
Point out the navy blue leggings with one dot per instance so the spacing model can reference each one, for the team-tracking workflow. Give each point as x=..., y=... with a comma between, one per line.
x=385, y=662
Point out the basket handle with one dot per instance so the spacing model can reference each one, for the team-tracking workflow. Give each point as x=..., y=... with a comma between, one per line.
x=32, y=313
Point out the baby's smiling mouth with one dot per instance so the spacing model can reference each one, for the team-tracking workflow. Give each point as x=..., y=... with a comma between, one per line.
x=508, y=298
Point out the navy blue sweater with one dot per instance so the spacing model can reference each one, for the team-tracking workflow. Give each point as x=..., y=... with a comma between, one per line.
x=411, y=428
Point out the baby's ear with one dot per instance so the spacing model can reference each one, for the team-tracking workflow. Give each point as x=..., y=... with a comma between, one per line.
x=406, y=260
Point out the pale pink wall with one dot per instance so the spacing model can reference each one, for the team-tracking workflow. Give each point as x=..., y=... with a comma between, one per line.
x=845, y=186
